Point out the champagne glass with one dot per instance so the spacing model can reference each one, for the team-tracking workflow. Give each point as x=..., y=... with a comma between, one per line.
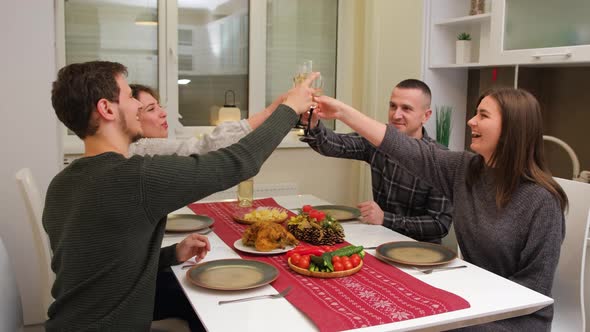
x=317, y=85
x=303, y=70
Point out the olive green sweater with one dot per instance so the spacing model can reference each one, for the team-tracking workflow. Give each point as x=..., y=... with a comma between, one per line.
x=105, y=216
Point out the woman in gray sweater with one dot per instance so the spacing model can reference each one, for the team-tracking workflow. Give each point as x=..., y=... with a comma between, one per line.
x=508, y=209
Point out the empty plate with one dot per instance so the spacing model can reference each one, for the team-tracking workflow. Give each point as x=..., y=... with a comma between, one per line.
x=339, y=212
x=187, y=222
x=415, y=253
x=232, y=274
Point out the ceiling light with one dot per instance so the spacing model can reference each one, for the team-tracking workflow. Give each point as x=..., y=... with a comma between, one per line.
x=183, y=81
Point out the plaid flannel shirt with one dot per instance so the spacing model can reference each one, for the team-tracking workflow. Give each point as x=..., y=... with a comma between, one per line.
x=410, y=206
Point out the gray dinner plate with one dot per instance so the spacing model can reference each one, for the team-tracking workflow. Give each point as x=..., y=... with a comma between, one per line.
x=415, y=253
x=187, y=222
x=340, y=212
x=232, y=274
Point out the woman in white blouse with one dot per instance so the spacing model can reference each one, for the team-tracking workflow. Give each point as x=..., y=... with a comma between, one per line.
x=155, y=128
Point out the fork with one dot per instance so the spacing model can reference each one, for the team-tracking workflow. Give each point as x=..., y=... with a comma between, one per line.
x=204, y=231
x=429, y=271
x=272, y=296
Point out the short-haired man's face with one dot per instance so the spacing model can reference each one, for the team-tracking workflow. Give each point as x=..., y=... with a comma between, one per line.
x=409, y=109
x=128, y=108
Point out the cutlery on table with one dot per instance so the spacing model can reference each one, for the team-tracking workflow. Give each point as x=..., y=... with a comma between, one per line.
x=204, y=231
x=429, y=271
x=188, y=265
x=272, y=296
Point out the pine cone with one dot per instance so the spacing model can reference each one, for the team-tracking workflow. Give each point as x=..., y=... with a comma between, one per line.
x=328, y=232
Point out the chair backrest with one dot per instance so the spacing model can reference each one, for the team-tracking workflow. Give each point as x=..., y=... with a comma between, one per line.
x=11, y=310
x=568, y=286
x=34, y=206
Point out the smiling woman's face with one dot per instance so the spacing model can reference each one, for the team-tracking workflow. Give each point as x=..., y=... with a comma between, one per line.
x=152, y=117
x=486, y=127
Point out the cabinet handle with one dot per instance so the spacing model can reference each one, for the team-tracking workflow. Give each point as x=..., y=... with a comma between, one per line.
x=565, y=55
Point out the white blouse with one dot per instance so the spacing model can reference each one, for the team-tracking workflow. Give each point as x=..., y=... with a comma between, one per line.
x=225, y=134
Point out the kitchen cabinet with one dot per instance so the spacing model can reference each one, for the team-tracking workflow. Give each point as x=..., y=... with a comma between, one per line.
x=510, y=32
x=548, y=77
x=539, y=32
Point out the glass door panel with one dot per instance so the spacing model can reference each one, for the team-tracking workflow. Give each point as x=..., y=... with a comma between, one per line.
x=531, y=24
x=212, y=58
x=124, y=31
x=298, y=31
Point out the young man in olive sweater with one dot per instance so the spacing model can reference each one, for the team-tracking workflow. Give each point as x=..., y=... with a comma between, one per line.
x=105, y=213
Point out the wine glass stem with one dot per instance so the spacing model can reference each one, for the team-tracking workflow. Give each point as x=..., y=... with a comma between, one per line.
x=306, y=131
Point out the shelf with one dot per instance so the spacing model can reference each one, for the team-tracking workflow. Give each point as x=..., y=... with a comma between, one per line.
x=454, y=65
x=471, y=19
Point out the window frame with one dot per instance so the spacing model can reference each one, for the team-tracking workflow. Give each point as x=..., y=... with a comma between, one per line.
x=168, y=64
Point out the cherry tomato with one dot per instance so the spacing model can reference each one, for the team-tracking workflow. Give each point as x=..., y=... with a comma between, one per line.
x=344, y=259
x=335, y=259
x=313, y=214
x=338, y=266
x=304, y=262
x=295, y=258
x=355, y=260
x=321, y=215
x=306, y=208
x=347, y=265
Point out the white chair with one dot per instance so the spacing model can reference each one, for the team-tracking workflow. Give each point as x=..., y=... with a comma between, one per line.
x=568, y=286
x=11, y=310
x=34, y=206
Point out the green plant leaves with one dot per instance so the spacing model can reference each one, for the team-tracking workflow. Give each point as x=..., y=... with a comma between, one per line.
x=443, y=124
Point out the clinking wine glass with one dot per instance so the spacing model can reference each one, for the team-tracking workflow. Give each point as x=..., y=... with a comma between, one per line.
x=303, y=71
x=317, y=85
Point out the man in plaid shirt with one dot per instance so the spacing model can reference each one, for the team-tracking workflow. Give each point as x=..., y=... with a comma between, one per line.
x=402, y=202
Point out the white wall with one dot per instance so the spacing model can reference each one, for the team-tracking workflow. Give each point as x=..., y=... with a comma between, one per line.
x=331, y=179
x=392, y=51
x=29, y=136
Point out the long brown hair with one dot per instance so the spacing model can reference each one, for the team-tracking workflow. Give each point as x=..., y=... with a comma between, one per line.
x=519, y=155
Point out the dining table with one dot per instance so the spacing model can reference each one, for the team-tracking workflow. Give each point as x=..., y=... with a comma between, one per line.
x=490, y=297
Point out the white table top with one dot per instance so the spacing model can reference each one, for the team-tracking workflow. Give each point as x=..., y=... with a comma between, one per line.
x=491, y=297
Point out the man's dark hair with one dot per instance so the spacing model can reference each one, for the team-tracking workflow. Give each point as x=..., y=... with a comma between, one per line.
x=137, y=88
x=78, y=89
x=415, y=84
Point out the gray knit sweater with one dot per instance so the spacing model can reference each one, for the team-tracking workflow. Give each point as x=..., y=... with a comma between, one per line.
x=105, y=217
x=520, y=242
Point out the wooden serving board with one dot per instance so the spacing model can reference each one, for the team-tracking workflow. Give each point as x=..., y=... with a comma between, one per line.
x=335, y=274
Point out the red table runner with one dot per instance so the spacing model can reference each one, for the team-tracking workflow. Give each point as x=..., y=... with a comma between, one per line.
x=378, y=294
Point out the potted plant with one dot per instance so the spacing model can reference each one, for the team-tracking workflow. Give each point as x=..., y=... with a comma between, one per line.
x=463, y=48
x=443, y=124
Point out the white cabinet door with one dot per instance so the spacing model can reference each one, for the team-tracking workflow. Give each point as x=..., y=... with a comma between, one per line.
x=540, y=31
